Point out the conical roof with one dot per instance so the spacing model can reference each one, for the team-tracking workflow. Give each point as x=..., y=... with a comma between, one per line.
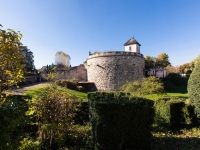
x=131, y=41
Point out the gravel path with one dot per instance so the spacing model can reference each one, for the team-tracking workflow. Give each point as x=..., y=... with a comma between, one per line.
x=23, y=89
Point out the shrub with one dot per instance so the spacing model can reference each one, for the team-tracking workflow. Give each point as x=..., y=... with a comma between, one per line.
x=55, y=110
x=29, y=144
x=174, y=78
x=120, y=121
x=150, y=85
x=194, y=88
x=68, y=84
x=135, y=87
x=173, y=113
x=13, y=120
x=79, y=137
x=82, y=114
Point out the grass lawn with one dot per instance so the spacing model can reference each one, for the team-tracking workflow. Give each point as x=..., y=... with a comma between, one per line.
x=156, y=96
x=35, y=91
x=179, y=91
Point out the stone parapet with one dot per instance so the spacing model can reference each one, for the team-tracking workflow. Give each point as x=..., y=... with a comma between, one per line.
x=114, y=53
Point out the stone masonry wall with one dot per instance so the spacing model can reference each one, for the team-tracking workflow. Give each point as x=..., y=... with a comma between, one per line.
x=77, y=72
x=111, y=70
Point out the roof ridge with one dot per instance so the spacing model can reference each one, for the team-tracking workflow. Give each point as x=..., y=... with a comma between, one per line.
x=132, y=41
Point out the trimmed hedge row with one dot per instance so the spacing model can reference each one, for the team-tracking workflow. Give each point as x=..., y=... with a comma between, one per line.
x=68, y=84
x=120, y=121
x=173, y=113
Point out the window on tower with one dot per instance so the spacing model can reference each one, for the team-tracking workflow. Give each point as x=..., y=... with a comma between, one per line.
x=129, y=48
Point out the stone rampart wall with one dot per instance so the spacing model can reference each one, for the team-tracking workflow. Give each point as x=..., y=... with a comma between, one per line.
x=30, y=79
x=77, y=72
x=110, y=70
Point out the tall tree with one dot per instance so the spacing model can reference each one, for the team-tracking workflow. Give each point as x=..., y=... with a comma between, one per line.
x=156, y=63
x=163, y=61
x=28, y=59
x=11, y=69
x=185, y=67
x=149, y=63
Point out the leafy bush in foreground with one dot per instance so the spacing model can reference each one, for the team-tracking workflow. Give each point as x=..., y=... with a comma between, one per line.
x=13, y=120
x=54, y=110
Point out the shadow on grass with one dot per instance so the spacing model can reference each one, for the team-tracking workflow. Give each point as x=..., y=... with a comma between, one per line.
x=171, y=143
x=178, y=89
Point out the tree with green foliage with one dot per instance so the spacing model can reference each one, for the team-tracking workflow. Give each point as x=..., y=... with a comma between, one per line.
x=149, y=63
x=11, y=68
x=194, y=88
x=28, y=60
x=163, y=61
x=157, y=63
x=185, y=67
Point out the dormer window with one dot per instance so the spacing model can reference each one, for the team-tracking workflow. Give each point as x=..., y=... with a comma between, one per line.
x=129, y=48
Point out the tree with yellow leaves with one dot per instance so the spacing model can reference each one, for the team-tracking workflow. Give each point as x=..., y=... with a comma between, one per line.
x=11, y=68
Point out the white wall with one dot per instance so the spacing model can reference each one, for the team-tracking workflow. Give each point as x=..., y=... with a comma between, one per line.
x=159, y=74
x=134, y=48
x=138, y=49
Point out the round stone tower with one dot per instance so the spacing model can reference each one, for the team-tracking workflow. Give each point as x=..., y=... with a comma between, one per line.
x=110, y=70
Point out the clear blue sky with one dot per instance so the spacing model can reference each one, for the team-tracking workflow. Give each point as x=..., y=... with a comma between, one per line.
x=79, y=26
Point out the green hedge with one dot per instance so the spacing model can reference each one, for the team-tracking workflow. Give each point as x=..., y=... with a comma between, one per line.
x=173, y=113
x=13, y=120
x=68, y=84
x=194, y=89
x=120, y=121
x=82, y=114
x=174, y=78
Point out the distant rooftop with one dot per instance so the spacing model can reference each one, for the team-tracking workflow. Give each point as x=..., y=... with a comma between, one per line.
x=131, y=41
